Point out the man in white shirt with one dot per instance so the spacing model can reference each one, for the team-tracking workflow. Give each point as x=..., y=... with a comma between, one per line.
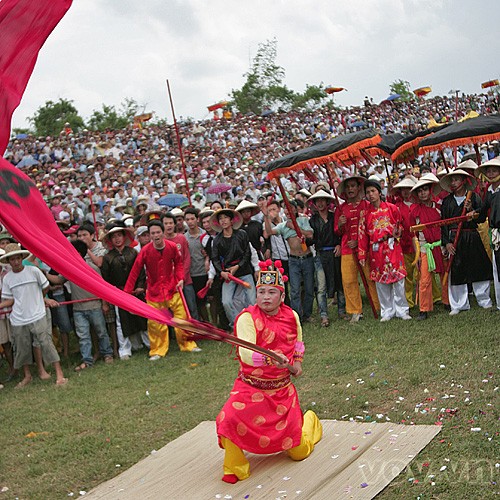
x=23, y=289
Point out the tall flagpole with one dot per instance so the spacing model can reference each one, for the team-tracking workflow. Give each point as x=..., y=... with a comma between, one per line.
x=179, y=145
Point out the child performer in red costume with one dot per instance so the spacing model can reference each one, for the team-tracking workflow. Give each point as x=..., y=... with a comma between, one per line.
x=429, y=243
x=262, y=414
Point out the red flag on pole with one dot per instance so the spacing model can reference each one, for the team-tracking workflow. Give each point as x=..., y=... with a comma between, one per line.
x=24, y=27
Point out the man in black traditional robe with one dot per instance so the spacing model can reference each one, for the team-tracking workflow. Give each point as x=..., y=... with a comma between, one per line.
x=471, y=263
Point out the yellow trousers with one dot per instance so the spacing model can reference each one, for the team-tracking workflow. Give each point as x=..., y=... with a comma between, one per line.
x=158, y=332
x=410, y=278
x=349, y=271
x=236, y=463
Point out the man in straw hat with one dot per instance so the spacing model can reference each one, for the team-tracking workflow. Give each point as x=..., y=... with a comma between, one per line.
x=428, y=241
x=116, y=267
x=5, y=336
x=327, y=245
x=263, y=415
x=379, y=231
x=231, y=254
x=346, y=224
x=165, y=276
x=253, y=228
x=23, y=289
x=490, y=172
x=470, y=262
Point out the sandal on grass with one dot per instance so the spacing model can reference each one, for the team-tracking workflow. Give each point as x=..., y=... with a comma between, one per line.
x=82, y=366
x=108, y=359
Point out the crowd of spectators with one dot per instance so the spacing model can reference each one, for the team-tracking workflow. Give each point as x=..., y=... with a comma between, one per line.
x=119, y=167
x=115, y=180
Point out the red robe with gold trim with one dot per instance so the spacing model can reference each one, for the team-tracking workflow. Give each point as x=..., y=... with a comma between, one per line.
x=268, y=418
x=376, y=227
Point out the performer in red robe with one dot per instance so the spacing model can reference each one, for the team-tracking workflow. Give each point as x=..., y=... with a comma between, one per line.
x=262, y=414
x=346, y=225
x=378, y=238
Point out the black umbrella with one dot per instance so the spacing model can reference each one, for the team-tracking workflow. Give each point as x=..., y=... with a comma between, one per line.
x=473, y=131
x=323, y=152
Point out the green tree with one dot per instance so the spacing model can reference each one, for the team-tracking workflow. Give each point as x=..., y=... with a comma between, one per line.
x=109, y=118
x=402, y=87
x=263, y=87
x=50, y=118
x=313, y=97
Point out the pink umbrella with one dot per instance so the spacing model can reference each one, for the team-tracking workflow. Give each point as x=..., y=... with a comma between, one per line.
x=219, y=188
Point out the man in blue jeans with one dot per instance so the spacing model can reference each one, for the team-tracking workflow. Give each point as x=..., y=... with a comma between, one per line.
x=231, y=255
x=301, y=262
x=87, y=314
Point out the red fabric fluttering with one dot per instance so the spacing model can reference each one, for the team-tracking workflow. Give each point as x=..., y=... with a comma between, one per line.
x=26, y=216
x=24, y=27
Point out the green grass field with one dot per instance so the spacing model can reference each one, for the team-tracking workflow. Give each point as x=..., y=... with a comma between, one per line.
x=443, y=371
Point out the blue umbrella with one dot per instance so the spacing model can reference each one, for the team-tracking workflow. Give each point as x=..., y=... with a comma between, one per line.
x=393, y=97
x=27, y=161
x=171, y=200
x=359, y=123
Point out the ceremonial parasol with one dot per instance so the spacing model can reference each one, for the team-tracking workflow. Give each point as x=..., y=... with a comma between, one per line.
x=420, y=92
x=219, y=188
x=407, y=148
x=323, y=152
x=387, y=145
x=490, y=83
x=473, y=131
x=332, y=90
x=172, y=200
x=217, y=105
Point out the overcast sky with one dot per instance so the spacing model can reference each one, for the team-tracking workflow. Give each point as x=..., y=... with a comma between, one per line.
x=105, y=50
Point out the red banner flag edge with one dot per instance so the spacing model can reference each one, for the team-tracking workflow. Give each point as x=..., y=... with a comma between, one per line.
x=26, y=216
x=24, y=27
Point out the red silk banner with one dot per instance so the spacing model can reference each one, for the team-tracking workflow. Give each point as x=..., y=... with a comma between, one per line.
x=26, y=216
x=24, y=27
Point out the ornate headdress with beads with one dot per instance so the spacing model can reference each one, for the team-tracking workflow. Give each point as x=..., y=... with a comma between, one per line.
x=271, y=274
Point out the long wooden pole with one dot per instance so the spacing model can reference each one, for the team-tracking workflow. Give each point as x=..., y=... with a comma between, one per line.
x=365, y=284
x=457, y=238
x=444, y=160
x=179, y=145
x=292, y=215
